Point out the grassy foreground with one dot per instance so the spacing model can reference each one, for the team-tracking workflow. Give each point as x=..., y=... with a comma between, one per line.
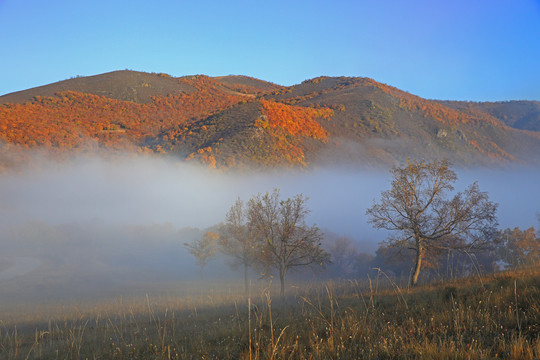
x=497, y=316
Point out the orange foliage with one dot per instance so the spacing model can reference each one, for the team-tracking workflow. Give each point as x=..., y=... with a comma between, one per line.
x=205, y=156
x=287, y=125
x=495, y=152
x=407, y=102
x=295, y=120
x=501, y=151
x=433, y=109
x=73, y=120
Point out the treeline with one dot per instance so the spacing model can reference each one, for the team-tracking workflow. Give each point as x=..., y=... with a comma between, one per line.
x=511, y=249
x=433, y=233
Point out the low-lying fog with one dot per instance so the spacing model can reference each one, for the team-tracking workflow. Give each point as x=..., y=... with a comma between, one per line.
x=94, y=226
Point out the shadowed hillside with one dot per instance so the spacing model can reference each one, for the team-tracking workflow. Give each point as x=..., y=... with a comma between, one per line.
x=389, y=123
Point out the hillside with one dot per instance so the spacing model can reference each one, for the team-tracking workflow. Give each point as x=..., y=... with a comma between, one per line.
x=390, y=123
x=238, y=121
x=119, y=85
x=524, y=115
x=247, y=84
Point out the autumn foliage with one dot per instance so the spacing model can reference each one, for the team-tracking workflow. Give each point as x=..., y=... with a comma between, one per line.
x=234, y=121
x=435, y=110
x=518, y=247
x=295, y=120
x=72, y=119
x=407, y=102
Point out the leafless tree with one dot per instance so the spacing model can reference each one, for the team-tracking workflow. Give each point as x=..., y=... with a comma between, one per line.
x=417, y=208
x=236, y=241
x=286, y=241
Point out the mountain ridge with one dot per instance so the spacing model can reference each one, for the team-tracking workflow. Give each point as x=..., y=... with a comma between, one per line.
x=238, y=121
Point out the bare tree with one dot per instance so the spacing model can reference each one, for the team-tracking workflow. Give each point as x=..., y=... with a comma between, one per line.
x=204, y=248
x=417, y=208
x=287, y=242
x=236, y=240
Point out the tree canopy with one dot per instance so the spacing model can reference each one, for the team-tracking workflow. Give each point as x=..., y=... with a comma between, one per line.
x=424, y=219
x=287, y=242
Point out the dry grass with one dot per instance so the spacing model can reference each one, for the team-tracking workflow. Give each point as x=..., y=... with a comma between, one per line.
x=497, y=316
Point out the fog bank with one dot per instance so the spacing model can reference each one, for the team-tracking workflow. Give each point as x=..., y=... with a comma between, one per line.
x=95, y=225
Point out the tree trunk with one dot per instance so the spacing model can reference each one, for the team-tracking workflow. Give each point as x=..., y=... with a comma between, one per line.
x=246, y=280
x=282, y=280
x=418, y=265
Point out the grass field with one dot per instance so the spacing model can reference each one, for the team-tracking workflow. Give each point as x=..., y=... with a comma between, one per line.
x=495, y=316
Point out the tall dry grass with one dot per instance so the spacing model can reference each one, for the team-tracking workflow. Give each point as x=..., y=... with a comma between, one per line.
x=496, y=316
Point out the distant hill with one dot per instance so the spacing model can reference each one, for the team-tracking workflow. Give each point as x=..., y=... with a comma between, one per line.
x=123, y=85
x=238, y=121
x=524, y=115
x=247, y=84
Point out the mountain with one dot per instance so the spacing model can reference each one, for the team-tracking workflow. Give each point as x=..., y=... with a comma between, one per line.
x=238, y=121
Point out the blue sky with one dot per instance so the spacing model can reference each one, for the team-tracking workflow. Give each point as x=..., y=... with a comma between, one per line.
x=462, y=49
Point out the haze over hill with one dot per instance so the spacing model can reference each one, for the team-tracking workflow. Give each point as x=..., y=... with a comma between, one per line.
x=242, y=122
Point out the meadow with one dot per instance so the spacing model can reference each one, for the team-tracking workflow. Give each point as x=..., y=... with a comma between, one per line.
x=493, y=316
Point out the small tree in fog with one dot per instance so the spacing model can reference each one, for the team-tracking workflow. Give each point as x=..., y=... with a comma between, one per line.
x=518, y=247
x=236, y=241
x=347, y=260
x=286, y=241
x=417, y=209
x=204, y=248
